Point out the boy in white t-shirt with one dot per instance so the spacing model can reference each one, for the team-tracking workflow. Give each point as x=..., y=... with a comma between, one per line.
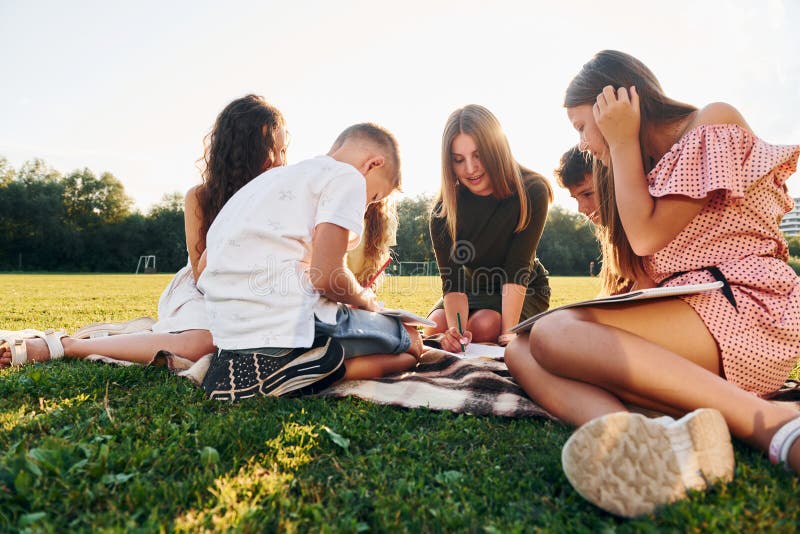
x=284, y=309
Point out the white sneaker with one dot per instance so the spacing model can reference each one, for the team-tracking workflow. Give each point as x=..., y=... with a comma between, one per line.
x=629, y=465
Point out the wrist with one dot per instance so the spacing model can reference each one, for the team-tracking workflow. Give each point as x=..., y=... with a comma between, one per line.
x=365, y=297
x=623, y=144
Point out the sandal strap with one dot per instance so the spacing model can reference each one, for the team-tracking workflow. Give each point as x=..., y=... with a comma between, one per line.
x=783, y=440
x=19, y=352
x=53, y=340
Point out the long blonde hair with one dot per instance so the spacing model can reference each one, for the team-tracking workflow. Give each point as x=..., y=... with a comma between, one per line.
x=380, y=227
x=618, y=69
x=495, y=155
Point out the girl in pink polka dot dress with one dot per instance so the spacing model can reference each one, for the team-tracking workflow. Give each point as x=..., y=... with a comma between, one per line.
x=694, y=196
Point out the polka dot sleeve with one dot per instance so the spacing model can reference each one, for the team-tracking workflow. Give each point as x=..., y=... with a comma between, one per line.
x=708, y=158
x=720, y=157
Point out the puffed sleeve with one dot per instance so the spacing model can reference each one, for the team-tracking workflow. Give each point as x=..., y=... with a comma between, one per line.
x=708, y=158
x=719, y=157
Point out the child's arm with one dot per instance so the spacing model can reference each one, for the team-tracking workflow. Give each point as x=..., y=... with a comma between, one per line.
x=329, y=273
x=192, y=222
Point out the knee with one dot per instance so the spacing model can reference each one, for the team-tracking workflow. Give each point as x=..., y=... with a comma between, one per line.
x=485, y=326
x=438, y=317
x=548, y=336
x=516, y=352
x=198, y=343
x=525, y=369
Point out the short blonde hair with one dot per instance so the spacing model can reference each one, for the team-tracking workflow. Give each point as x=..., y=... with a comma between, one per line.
x=380, y=137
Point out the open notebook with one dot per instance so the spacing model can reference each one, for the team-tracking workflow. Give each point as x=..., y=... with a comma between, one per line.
x=641, y=294
x=406, y=317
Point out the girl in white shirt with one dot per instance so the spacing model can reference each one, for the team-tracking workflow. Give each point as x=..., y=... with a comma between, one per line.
x=248, y=137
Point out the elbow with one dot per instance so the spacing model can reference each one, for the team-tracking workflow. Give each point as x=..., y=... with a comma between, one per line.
x=322, y=285
x=328, y=283
x=320, y=280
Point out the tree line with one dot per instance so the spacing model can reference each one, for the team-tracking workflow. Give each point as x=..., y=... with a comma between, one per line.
x=82, y=222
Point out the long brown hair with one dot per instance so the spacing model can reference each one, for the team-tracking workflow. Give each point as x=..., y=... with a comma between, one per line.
x=618, y=69
x=495, y=155
x=239, y=147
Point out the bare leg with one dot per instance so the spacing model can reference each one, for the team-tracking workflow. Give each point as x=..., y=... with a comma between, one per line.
x=140, y=348
x=485, y=326
x=440, y=319
x=569, y=400
x=377, y=365
x=633, y=350
x=137, y=348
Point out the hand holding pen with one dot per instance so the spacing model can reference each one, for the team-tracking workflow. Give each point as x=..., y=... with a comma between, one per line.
x=455, y=339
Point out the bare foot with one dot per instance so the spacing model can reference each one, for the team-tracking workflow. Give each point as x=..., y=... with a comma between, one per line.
x=37, y=348
x=416, y=347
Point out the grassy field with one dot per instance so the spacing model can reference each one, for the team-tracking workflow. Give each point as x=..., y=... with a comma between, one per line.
x=88, y=447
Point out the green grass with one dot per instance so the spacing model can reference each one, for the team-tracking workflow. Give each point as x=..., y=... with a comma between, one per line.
x=89, y=447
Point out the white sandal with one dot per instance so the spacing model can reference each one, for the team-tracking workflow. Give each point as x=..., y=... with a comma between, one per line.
x=19, y=351
x=782, y=441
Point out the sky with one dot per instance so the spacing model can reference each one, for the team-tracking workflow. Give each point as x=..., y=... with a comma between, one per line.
x=132, y=88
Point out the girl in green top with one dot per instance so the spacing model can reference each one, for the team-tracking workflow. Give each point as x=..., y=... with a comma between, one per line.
x=485, y=227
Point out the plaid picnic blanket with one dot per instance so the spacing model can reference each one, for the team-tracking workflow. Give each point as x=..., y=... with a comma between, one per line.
x=443, y=381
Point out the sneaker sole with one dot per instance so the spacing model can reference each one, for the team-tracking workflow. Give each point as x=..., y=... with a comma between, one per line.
x=323, y=383
x=304, y=371
x=142, y=324
x=299, y=371
x=626, y=463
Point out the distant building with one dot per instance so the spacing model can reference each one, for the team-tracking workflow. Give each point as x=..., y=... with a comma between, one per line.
x=790, y=225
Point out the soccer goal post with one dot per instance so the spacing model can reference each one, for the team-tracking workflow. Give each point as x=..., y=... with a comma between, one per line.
x=147, y=264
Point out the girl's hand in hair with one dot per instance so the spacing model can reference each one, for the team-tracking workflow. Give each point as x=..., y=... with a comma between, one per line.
x=616, y=113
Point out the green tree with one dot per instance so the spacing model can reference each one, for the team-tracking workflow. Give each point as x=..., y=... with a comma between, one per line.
x=794, y=245
x=7, y=172
x=32, y=234
x=37, y=171
x=90, y=201
x=116, y=247
x=31, y=215
x=166, y=234
x=568, y=243
x=413, y=234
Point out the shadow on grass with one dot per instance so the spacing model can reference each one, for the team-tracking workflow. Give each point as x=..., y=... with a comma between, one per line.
x=93, y=447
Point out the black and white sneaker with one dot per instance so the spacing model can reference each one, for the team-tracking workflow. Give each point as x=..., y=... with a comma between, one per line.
x=321, y=385
x=236, y=375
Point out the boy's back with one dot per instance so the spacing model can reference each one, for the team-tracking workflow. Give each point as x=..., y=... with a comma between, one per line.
x=256, y=285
